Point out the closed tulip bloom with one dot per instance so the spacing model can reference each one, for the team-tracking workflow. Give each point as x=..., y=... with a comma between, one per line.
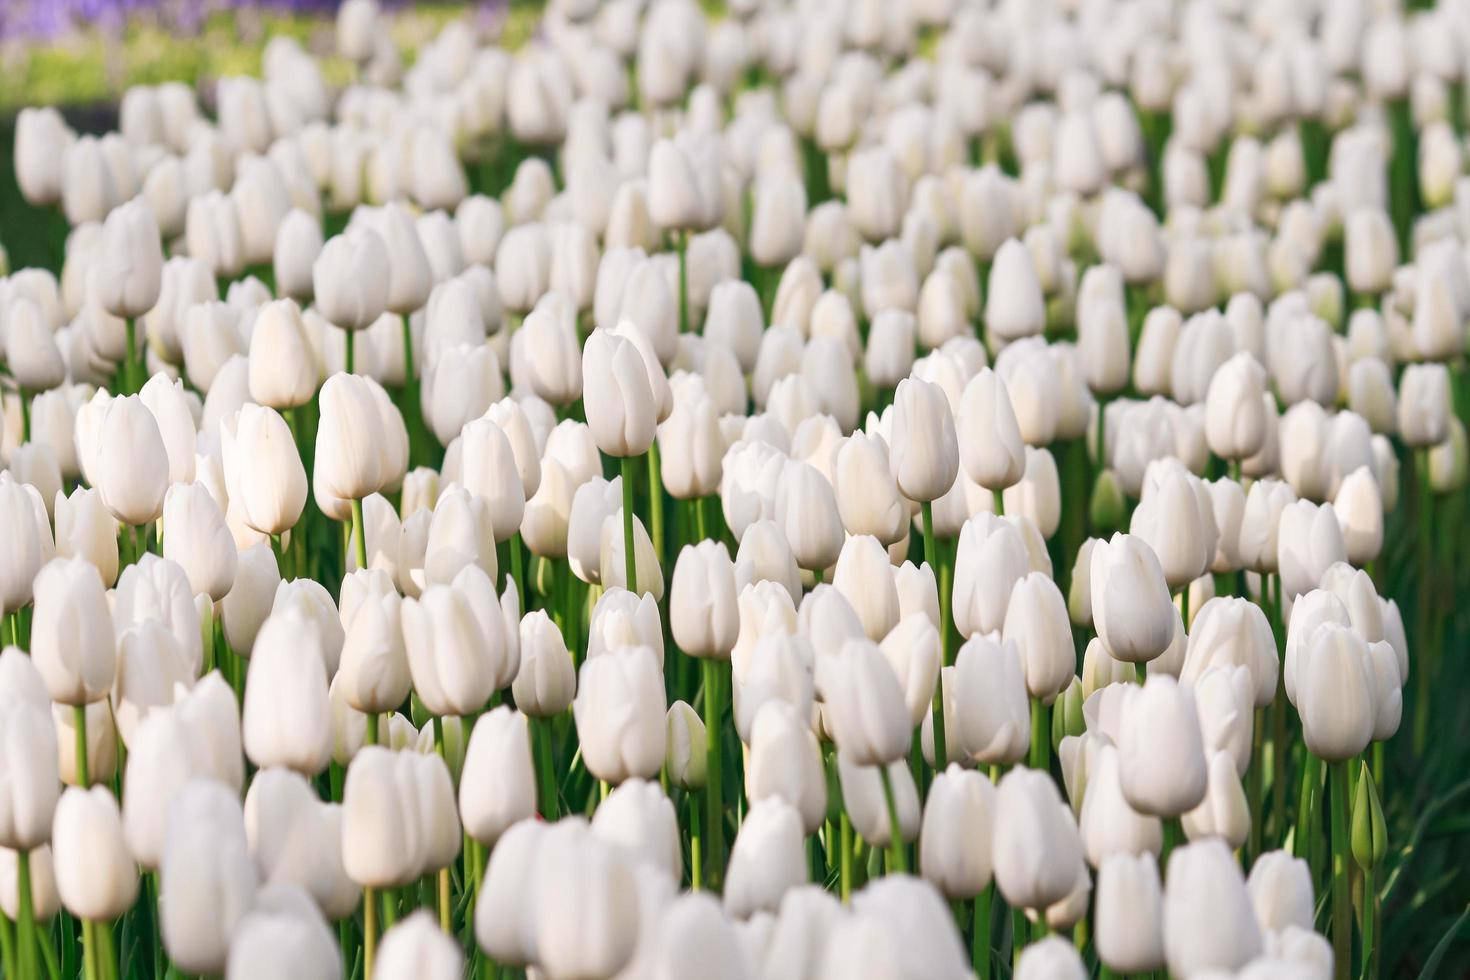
x=1108, y=822
x=778, y=220
x=417, y=948
x=785, y=761
x=374, y=670
x=298, y=244
x=865, y=577
x=553, y=355
x=766, y=860
x=686, y=757
x=619, y=711
x=350, y=457
x=867, y=493
x=1130, y=911
x=925, y=450
x=504, y=924
x=1035, y=850
x=28, y=532
x=71, y=633
x=488, y=470
x=583, y=922
x=285, y=720
x=498, y=787
x=614, y=570
x=1371, y=250
x=1162, y=759
x=295, y=839
x=283, y=368
x=1014, y=306
x=1281, y=892
x=989, y=691
x=1208, y=920
x=129, y=269
x=1425, y=405
x=991, y=558
x=95, y=874
x=1233, y=632
x=546, y=680
x=1449, y=462
x=283, y=935
x=954, y=841
x=702, y=609
x=350, y=279
x=1224, y=811
x=1334, y=692
x=1235, y=421
x=691, y=448
x=1052, y=958
x=806, y=512
x=383, y=838
x=638, y=820
x=245, y=607
x=615, y=387
x=199, y=541
x=989, y=437
x=41, y=140
x=455, y=634
x=30, y=347
x=124, y=458
x=864, y=705
x=1130, y=600
x=28, y=798
x=1036, y=623
x=1309, y=540
x=1176, y=520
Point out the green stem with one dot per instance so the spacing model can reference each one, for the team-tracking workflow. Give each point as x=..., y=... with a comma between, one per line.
x=25, y=917
x=25, y=415
x=359, y=534
x=130, y=369
x=897, y=861
x=1302, y=837
x=1369, y=914
x=1255, y=782
x=1342, y=899
x=79, y=721
x=7, y=947
x=348, y=360
x=152, y=887
x=369, y=918
x=844, y=874
x=544, y=764
x=656, y=500
x=1040, y=757
x=714, y=810
x=48, y=954
x=517, y=562
x=370, y=734
x=931, y=556
x=1173, y=830
x=630, y=556
x=699, y=529
x=107, y=959
x=89, y=949
x=980, y=934
x=445, y=906
x=696, y=858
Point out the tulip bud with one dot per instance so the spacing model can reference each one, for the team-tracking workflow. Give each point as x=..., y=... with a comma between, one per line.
x=1036, y=849
x=864, y=704
x=198, y=540
x=285, y=719
x=702, y=613
x=1130, y=600
x=1129, y=910
x=72, y=642
x=1281, y=892
x=455, y=636
x=500, y=746
x=1014, y=307
x=619, y=711
x=806, y=512
x=1371, y=250
x=615, y=388
x=95, y=874
x=581, y=880
x=687, y=754
x=350, y=279
x=1162, y=760
x=925, y=450
x=1425, y=404
x=1333, y=690
x=417, y=948
x=1208, y=921
x=766, y=860
x=28, y=800
x=351, y=461
x=129, y=270
x=989, y=437
x=1369, y=833
x=954, y=843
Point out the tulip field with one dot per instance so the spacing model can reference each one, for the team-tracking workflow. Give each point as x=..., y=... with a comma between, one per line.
x=761, y=490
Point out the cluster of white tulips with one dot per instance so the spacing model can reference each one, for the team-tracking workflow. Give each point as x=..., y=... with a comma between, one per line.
x=888, y=489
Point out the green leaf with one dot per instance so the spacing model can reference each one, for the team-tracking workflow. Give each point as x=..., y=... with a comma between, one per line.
x=1431, y=965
